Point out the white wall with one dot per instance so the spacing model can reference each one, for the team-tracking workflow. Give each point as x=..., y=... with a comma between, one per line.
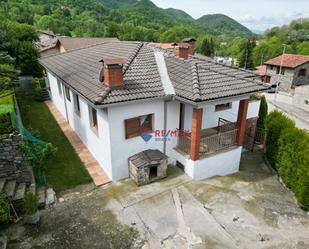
x=122, y=148
x=221, y=164
x=55, y=97
x=211, y=117
x=98, y=144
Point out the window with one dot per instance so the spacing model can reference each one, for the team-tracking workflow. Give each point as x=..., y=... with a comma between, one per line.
x=93, y=119
x=59, y=88
x=282, y=70
x=302, y=72
x=76, y=104
x=138, y=125
x=222, y=107
x=67, y=93
x=267, y=79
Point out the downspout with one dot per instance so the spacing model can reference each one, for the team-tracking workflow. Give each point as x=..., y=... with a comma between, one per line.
x=165, y=125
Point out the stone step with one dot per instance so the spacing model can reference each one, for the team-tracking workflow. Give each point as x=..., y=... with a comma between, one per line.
x=9, y=188
x=2, y=183
x=20, y=192
x=50, y=197
x=41, y=194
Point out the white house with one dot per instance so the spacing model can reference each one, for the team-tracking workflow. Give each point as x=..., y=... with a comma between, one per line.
x=122, y=98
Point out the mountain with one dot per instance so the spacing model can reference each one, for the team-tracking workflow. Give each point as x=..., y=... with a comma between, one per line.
x=178, y=14
x=116, y=4
x=221, y=24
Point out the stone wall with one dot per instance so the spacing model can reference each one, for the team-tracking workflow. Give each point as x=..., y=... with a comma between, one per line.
x=12, y=164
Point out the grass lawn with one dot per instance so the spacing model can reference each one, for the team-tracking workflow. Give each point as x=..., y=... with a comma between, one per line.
x=65, y=169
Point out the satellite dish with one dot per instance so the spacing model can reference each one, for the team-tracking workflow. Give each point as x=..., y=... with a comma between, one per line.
x=101, y=77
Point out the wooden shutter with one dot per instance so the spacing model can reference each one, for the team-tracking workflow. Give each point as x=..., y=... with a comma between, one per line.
x=132, y=127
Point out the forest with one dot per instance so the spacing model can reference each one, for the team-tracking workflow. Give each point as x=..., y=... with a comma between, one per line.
x=141, y=20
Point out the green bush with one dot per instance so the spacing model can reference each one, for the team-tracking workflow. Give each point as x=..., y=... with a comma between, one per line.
x=293, y=163
x=6, y=126
x=31, y=203
x=37, y=89
x=262, y=113
x=5, y=215
x=275, y=124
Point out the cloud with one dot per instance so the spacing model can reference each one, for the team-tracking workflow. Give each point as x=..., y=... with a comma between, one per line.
x=266, y=22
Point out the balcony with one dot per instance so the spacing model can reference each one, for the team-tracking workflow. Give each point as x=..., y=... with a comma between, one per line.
x=212, y=140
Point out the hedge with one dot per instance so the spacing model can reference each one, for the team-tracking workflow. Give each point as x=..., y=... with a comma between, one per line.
x=293, y=163
x=276, y=123
x=287, y=150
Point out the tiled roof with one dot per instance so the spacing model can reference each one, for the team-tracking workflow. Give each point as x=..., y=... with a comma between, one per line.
x=163, y=45
x=201, y=80
x=288, y=60
x=196, y=79
x=72, y=43
x=261, y=70
x=81, y=68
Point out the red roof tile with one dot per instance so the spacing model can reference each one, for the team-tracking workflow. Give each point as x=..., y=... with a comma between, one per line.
x=72, y=43
x=261, y=70
x=288, y=60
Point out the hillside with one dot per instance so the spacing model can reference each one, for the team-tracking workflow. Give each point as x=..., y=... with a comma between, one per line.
x=221, y=24
x=125, y=19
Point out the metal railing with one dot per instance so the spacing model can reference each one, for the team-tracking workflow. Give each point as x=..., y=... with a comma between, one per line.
x=209, y=144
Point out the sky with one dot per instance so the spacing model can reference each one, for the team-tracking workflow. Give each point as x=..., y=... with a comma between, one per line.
x=254, y=14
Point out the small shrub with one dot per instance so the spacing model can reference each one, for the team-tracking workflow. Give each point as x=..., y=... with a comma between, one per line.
x=5, y=215
x=262, y=113
x=6, y=126
x=31, y=203
x=275, y=124
x=37, y=89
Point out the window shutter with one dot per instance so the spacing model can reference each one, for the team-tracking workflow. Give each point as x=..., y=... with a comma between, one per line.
x=132, y=127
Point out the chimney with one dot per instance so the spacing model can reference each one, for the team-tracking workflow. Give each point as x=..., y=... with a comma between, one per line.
x=191, y=42
x=182, y=50
x=112, y=71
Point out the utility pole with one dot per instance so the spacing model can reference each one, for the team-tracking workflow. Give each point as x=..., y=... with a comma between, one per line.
x=280, y=71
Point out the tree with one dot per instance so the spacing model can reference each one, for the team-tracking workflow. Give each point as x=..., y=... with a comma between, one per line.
x=7, y=72
x=246, y=57
x=176, y=34
x=262, y=113
x=206, y=46
x=18, y=41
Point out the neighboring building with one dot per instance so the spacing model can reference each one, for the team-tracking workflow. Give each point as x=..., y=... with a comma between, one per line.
x=51, y=44
x=47, y=43
x=288, y=70
x=301, y=97
x=261, y=71
x=122, y=98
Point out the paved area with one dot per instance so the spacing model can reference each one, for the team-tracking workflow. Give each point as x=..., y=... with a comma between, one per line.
x=284, y=103
x=250, y=209
x=99, y=177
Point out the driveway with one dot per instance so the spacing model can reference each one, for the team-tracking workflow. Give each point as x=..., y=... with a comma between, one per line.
x=249, y=209
x=284, y=103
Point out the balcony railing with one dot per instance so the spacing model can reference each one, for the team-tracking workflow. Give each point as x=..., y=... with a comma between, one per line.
x=212, y=141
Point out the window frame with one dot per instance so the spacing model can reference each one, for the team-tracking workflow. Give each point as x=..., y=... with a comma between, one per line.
x=59, y=88
x=139, y=129
x=67, y=93
x=93, y=120
x=76, y=104
x=223, y=107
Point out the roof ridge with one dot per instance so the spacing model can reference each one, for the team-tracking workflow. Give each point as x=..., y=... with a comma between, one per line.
x=195, y=81
x=133, y=56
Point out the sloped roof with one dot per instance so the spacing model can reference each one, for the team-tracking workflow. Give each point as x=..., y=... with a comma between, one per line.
x=288, y=60
x=72, y=43
x=196, y=79
x=261, y=70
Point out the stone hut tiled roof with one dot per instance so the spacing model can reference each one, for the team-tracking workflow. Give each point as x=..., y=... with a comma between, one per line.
x=196, y=79
x=288, y=60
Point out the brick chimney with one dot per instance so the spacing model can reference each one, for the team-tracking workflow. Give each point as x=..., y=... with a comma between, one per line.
x=113, y=73
x=182, y=50
x=191, y=42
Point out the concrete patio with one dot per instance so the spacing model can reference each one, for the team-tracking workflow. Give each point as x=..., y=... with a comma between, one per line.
x=249, y=209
